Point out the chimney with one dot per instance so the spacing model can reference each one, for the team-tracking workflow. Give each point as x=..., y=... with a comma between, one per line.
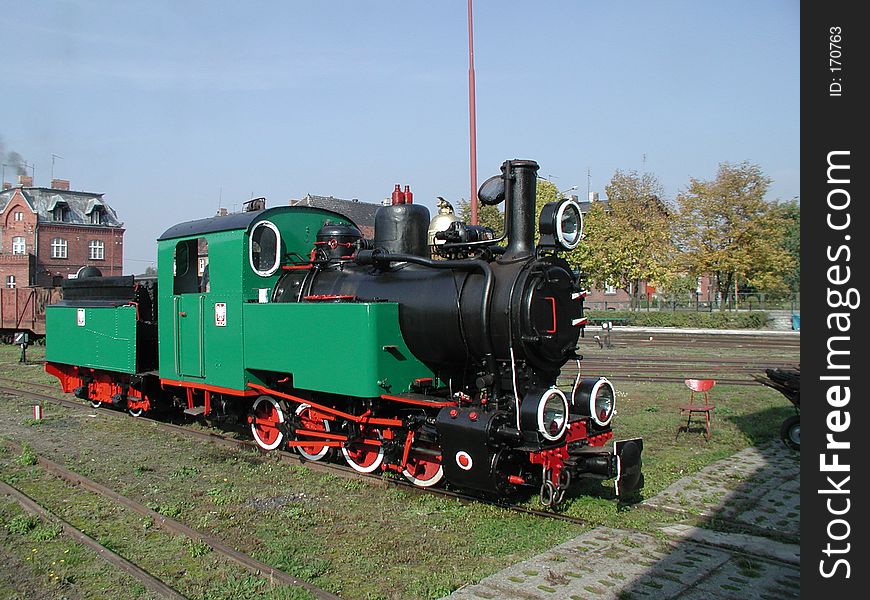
x=593, y=196
x=222, y=212
x=60, y=184
x=7, y=185
x=25, y=181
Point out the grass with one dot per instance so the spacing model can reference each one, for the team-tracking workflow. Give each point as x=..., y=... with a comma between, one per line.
x=359, y=539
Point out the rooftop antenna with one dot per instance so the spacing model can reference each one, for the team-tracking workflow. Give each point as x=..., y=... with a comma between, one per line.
x=53, y=157
x=644, y=162
x=588, y=182
x=32, y=169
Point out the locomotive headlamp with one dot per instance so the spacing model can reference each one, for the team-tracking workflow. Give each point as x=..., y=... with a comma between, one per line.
x=561, y=224
x=545, y=412
x=596, y=399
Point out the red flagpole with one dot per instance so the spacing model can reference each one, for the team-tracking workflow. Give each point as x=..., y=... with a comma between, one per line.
x=472, y=118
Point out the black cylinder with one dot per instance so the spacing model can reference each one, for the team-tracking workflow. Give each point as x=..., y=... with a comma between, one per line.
x=336, y=241
x=520, y=193
x=403, y=229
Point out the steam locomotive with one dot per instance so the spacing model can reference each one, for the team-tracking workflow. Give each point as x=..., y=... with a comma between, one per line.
x=433, y=354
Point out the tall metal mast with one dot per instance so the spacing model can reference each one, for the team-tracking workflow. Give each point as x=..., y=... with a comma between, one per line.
x=472, y=118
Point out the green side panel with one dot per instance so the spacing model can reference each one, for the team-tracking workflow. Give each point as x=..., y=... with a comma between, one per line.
x=194, y=345
x=101, y=338
x=201, y=334
x=355, y=349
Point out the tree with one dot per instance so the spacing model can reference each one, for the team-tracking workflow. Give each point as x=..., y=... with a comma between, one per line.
x=791, y=213
x=627, y=240
x=727, y=229
x=545, y=192
x=487, y=216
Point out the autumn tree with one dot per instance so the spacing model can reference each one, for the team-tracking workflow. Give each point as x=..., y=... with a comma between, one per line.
x=487, y=216
x=791, y=213
x=627, y=240
x=545, y=192
x=726, y=229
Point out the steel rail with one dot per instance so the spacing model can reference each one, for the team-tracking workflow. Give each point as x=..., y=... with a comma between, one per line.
x=342, y=470
x=148, y=580
x=170, y=524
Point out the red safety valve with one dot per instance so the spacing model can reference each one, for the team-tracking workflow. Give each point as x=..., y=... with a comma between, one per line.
x=398, y=197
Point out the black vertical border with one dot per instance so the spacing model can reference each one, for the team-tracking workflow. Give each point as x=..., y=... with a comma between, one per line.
x=833, y=123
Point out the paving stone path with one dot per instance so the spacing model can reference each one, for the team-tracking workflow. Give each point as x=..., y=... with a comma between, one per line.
x=757, y=487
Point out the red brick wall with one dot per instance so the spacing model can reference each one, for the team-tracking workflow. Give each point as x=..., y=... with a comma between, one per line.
x=12, y=228
x=78, y=239
x=22, y=266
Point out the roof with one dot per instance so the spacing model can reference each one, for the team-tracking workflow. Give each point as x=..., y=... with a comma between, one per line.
x=79, y=204
x=240, y=220
x=361, y=213
x=230, y=222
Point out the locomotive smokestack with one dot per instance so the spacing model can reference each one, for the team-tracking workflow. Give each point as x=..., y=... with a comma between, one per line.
x=520, y=177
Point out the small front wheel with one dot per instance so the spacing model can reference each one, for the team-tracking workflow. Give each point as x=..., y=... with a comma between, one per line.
x=790, y=432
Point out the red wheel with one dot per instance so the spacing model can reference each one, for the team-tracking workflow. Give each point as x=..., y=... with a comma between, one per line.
x=424, y=468
x=362, y=457
x=267, y=417
x=309, y=421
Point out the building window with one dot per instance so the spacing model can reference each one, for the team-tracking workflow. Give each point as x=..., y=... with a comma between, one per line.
x=58, y=248
x=609, y=289
x=10, y=281
x=19, y=216
x=96, y=217
x=96, y=250
x=60, y=213
x=18, y=245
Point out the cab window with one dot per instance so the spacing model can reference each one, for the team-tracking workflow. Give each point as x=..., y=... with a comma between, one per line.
x=265, y=249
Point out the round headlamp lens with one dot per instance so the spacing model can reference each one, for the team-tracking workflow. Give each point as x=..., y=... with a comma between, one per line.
x=553, y=414
x=602, y=401
x=569, y=224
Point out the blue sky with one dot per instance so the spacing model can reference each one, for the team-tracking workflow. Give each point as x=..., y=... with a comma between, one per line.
x=173, y=109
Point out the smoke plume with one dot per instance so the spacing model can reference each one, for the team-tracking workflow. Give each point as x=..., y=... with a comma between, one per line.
x=12, y=160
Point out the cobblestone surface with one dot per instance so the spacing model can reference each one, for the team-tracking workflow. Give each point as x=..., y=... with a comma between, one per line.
x=756, y=487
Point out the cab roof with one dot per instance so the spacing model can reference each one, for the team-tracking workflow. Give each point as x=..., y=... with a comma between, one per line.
x=232, y=222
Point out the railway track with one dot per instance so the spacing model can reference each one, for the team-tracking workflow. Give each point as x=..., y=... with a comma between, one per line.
x=331, y=468
x=284, y=456
x=149, y=581
x=323, y=467
x=162, y=521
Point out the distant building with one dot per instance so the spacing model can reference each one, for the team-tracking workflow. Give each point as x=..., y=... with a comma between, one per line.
x=48, y=234
x=361, y=213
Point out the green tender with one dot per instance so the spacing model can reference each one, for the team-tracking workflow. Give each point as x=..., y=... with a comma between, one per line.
x=351, y=348
x=96, y=337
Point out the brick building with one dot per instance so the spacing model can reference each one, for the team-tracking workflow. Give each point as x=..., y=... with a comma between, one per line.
x=361, y=213
x=48, y=234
